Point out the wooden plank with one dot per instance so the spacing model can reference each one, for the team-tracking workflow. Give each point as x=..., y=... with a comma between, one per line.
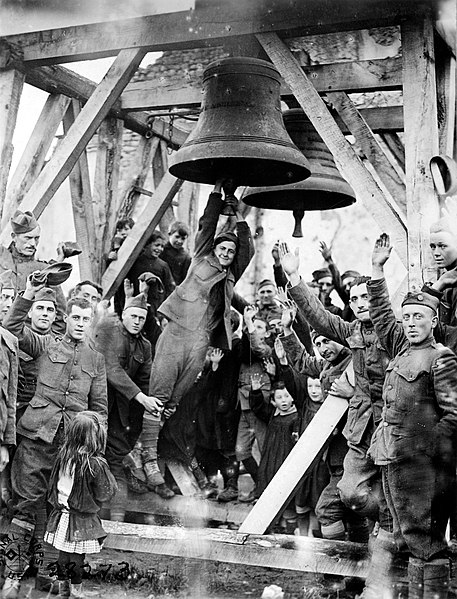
x=395, y=145
x=34, y=154
x=11, y=83
x=446, y=97
x=365, y=187
x=139, y=168
x=206, y=26
x=84, y=127
x=59, y=80
x=81, y=203
x=295, y=466
x=288, y=552
x=184, y=509
x=421, y=143
x=145, y=225
x=367, y=141
x=366, y=75
x=159, y=168
x=183, y=478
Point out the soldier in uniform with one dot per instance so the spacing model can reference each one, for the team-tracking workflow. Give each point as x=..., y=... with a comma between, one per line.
x=71, y=378
x=414, y=443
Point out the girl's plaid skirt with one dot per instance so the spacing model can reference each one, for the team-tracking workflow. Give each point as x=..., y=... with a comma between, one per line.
x=58, y=539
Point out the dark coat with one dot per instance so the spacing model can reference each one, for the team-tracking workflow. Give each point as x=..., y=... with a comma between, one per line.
x=178, y=260
x=8, y=387
x=188, y=303
x=87, y=494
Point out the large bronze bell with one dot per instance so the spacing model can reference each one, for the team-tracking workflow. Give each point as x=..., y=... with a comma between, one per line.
x=240, y=134
x=324, y=190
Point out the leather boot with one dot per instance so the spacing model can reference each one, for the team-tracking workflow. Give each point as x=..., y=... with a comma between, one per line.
x=77, y=591
x=415, y=578
x=378, y=583
x=64, y=589
x=149, y=439
x=134, y=463
x=335, y=531
x=436, y=579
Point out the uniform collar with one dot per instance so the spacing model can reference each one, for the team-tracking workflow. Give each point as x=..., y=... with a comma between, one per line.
x=71, y=341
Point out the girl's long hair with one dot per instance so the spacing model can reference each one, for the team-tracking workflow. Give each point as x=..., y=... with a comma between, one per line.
x=85, y=441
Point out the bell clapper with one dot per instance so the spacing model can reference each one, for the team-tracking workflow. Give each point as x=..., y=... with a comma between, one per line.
x=298, y=216
x=230, y=199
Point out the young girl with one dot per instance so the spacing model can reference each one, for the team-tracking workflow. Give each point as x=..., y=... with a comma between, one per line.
x=80, y=482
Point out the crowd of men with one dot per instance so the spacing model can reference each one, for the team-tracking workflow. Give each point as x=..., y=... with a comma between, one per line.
x=182, y=366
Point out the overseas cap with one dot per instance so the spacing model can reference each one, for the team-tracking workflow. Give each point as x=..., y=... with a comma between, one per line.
x=45, y=295
x=138, y=301
x=321, y=273
x=23, y=222
x=228, y=236
x=421, y=299
x=265, y=283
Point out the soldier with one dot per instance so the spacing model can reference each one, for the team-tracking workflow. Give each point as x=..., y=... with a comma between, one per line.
x=415, y=441
x=71, y=378
x=7, y=293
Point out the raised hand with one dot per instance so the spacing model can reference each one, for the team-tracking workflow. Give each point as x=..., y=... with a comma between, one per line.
x=128, y=289
x=275, y=253
x=447, y=279
x=381, y=251
x=249, y=313
x=280, y=352
x=256, y=381
x=325, y=251
x=270, y=366
x=290, y=261
x=216, y=355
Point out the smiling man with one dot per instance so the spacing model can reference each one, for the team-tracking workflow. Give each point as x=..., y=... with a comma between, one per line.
x=415, y=441
x=443, y=245
x=71, y=377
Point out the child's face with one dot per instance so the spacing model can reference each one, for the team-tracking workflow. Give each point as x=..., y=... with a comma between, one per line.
x=157, y=247
x=176, y=240
x=282, y=400
x=314, y=390
x=123, y=232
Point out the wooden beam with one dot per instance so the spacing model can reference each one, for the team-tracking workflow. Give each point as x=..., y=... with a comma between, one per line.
x=395, y=145
x=33, y=157
x=288, y=552
x=106, y=182
x=139, y=169
x=366, y=75
x=421, y=143
x=207, y=26
x=159, y=168
x=11, y=83
x=184, y=478
x=446, y=97
x=366, y=140
x=365, y=187
x=145, y=225
x=81, y=203
x=59, y=80
x=84, y=127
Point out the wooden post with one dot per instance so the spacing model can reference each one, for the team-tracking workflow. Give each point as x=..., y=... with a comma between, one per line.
x=82, y=206
x=367, y=141
x=85, y=125
x=187, y=209
x=159, y=168
x=421, y=143
x=365, y=187
x=11, y=83
x=106, y=186
x=446, y=97
x=33, y=157
x=395, y=145
x=145, y=225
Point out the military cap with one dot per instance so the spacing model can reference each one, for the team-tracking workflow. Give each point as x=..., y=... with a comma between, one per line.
x=151, y=279
x=7, y=280
x=321, y=273
x=227, y=236
x=421, y=299
x=349, y=273
x=45, y=295
x=265, y=283
x=23, y=222
x=138, y=301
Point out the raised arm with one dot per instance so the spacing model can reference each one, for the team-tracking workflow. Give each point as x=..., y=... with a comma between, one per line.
x=208, y=222
x=246, y=248
x=337, y=282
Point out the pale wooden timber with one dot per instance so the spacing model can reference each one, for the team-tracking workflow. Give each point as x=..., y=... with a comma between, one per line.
x=365, y=187
x=206, y=26
x=84, y=127
x=34, y=154
x=106, y=182
x=183, y=478
x=366, y=75
x=187, y=210
x=145, y=225
x=159, y=168
x=139, y=168
x=421, y=143
x=395, y=145
x=288, y=552
x=289, y=475
x=11, y=83
x=59, y=80
x=370, y=146
x=82, y=205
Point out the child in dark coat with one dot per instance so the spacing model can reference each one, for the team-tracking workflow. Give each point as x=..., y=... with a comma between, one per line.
x=80, y=481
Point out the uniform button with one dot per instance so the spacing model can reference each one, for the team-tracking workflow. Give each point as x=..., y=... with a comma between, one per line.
x=368, y=362
x=75, y=362
x=66, y=392
x=72, y=377
x=386, y=424
x=396, y=368
x=63, y=409
x=389, y=387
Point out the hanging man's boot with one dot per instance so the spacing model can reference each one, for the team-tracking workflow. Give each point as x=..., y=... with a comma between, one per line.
x=149, y=440
x=230, y=472
x=436, y=579
x=378, y=583
x=134, y=463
